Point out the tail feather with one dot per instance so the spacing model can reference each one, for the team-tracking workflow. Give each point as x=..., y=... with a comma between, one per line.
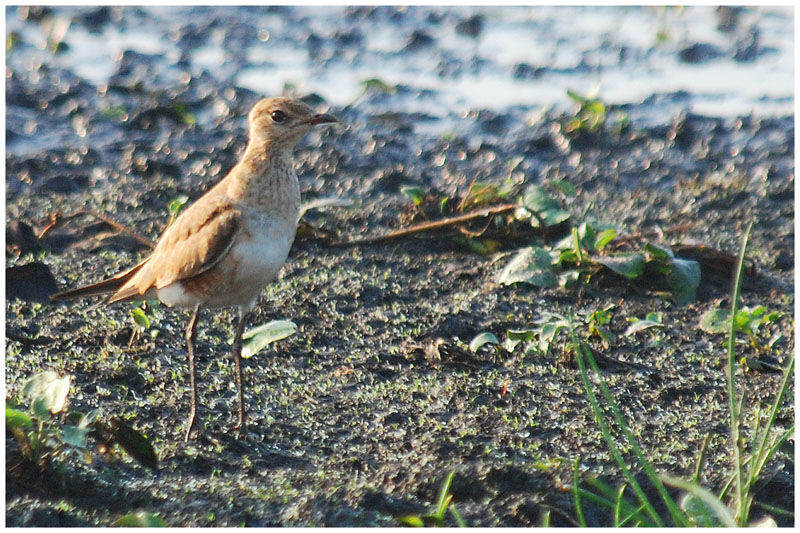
x=106, y=286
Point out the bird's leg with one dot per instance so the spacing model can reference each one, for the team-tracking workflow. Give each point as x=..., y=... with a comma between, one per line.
x=241, y=425
x=193, y=422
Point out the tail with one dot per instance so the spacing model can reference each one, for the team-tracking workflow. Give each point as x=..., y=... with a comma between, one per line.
x=107, y=286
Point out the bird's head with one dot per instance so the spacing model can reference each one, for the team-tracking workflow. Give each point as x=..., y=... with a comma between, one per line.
x=283, y=121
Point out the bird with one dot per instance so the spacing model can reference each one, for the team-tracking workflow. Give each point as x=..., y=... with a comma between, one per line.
x=224, y=248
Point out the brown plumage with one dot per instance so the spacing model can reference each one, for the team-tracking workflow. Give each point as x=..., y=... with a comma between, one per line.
x=224, y=248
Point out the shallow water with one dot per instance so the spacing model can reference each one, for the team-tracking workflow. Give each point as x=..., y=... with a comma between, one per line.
x=515, y=56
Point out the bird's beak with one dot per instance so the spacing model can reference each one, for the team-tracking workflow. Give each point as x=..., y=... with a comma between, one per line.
x=320, y=119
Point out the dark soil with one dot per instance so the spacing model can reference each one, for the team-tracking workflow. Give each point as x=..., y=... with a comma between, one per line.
x=359, y=417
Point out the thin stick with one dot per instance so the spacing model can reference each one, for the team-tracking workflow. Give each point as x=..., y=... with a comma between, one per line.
x=430, y=226
x=58, y=219
x=681, y=228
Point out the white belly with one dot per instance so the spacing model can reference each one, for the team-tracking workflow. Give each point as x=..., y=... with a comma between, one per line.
x=254, y=261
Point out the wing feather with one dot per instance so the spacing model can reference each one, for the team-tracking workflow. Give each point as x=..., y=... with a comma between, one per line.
x=197, y=241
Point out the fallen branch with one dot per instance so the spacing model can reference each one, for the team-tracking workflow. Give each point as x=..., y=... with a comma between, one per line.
x=656, y=234
x=57, y=219
x=430, y=226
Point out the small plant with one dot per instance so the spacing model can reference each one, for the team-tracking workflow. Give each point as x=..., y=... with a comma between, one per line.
x=114, y=112
x=181, y=109
x=416, y=194
x=437, y=517
x=582, y=252
x=591, y=113
x=40, y=439
x=748, y=321
x=698, y=506
x=44, y=439
x=378, y=85
x=140, y=324
x=175, y=207
x=597, y=322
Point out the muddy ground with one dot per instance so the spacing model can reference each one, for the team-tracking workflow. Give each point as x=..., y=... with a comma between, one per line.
x=359, y=416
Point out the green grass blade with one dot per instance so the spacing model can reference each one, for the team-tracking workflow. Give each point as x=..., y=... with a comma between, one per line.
x=411, y=521
x=460, y=522
x=764, y=452
x=774, y=510
x=618, y=505
x=677, y=515
x=771, y=451
x=580, y=353
x=545, y=522
x=637, y=514
x=611, y=495
x=698, y=467
x=632, y=512
x=739, y=496
x=722, y=512
x=444, y=496
x=576, y=494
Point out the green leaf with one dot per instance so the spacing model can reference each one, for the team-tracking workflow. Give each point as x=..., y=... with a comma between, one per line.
x=74, y=436
x=567, y=256
x=480, y=246
x=605, y=237
x=17, y=419
x=141, y=320
x=715, y=321
x=564, y=187
x=140, y=519
x=481, y=193
x=703, y=505
x=535, y=199
x=134, y=443
x=258, y=338
x=587, y=236
x=183, y=111
x=601, y=317
x=481, y=339
x=655, y=316
x=378, y=84
x=641, y=325
x=411, y=521
x=629, y=265
x=568, y=278
x=659, y=253
x=176, y=205
x=417, y=194
x=549, y=332
x=516, y=336
x=40, y=409
x=683, y=279
x=444, y=496
x=531, y=265
x=48, y=391
x=113, y=112
x=576, y=97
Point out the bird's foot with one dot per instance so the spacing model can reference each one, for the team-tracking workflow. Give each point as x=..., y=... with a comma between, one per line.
x=196, y=426
x=240, y=429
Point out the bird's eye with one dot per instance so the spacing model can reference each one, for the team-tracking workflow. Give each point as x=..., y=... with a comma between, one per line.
x=278, y=116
